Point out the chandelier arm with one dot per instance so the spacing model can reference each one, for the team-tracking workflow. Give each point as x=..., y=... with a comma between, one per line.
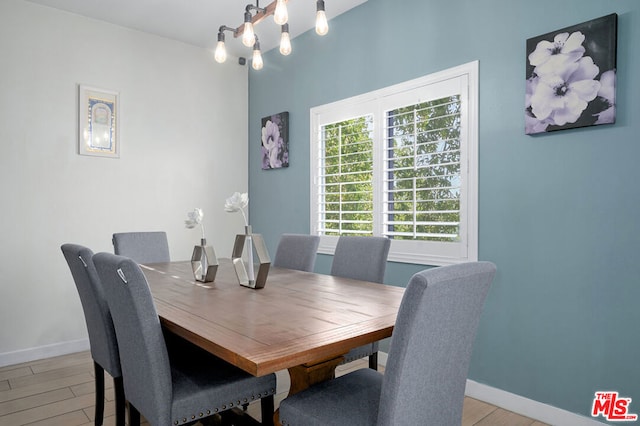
x=258, y=17
x=224, y=28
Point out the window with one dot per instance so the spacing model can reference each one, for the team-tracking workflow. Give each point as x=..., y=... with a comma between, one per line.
x=401, y=162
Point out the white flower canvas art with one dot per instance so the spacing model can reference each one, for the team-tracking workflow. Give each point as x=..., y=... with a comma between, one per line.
x=275, y=141
x=571, y=77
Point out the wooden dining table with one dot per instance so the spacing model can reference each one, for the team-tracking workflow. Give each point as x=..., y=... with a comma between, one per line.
x=300, y=321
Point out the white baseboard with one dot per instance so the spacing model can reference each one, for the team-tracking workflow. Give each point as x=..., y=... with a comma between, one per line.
x=527, y=407
x=41, y=352
x=518, y=404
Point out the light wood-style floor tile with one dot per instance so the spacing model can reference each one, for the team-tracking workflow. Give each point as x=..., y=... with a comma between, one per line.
x=80, y=358
x=500, y=417
x=49, y=375
x=22, y=392
x=47, y=411
x=34, y=401
x=16, y=372
x=475, y=410
x=75, y=418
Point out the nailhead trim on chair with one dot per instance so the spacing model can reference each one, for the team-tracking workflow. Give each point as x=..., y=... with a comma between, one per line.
x=224, y=407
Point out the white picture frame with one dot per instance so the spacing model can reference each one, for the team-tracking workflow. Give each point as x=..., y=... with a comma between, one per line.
x=98, y=122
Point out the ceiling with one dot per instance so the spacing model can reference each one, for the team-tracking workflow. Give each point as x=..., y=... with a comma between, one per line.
x=196, y=22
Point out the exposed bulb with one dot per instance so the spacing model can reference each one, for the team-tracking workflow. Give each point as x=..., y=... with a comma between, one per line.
x=285, y=41
x=221, y=52
x=280, y=15
x=248, y=36
x=322, y=26
x=256, y=62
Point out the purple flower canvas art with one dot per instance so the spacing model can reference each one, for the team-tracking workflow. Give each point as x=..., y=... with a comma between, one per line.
x=571, y=77
x=275, y=141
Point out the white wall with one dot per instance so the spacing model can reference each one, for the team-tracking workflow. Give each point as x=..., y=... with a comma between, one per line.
x=184, y=145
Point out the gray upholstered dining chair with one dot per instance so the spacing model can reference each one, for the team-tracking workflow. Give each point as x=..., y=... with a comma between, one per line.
x=176, y=385
x=297, y=251
x=426, y=372
x=102, y=336
x=143, y=247
x=365, y=259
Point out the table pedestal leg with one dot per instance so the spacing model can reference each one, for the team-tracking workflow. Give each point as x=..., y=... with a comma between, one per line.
x=306, y=375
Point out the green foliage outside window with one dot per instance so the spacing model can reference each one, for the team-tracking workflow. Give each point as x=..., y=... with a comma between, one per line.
x=421, y=175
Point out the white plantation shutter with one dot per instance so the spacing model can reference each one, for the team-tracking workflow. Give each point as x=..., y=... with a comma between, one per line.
x=345, y=177
x=400, y=162
x=422, y=181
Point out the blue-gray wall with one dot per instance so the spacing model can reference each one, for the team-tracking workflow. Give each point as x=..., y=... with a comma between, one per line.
x=558, y=213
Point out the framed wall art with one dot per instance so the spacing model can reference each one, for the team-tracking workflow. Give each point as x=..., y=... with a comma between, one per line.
x=98, y=120
x=571, y=77
x=275, y=141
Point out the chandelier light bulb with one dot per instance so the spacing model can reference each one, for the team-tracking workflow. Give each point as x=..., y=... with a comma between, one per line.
x=285, y=40
x=256, y=62
x=280, y=15
x=248, y=36
x=221, y=52
x=322, y=26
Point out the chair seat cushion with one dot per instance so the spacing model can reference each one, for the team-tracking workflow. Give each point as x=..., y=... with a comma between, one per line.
x=351, y=399
x=204, y=384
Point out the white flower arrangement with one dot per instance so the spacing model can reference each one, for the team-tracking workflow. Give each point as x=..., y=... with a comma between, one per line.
x=194, y=218
x=238, y=203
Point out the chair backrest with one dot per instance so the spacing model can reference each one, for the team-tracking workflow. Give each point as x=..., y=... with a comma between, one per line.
x=143, y=247
x=361, y=258
x=102, y=336
x=297, y=251
x=431, y=347
x=146, y=371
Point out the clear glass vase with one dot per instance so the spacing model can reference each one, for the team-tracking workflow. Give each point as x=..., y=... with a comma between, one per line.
x=248, y=253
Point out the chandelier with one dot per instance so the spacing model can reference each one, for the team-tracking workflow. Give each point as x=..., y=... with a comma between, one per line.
x=277, y=8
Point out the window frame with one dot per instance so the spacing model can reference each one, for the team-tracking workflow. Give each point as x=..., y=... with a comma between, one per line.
x=377, y=103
